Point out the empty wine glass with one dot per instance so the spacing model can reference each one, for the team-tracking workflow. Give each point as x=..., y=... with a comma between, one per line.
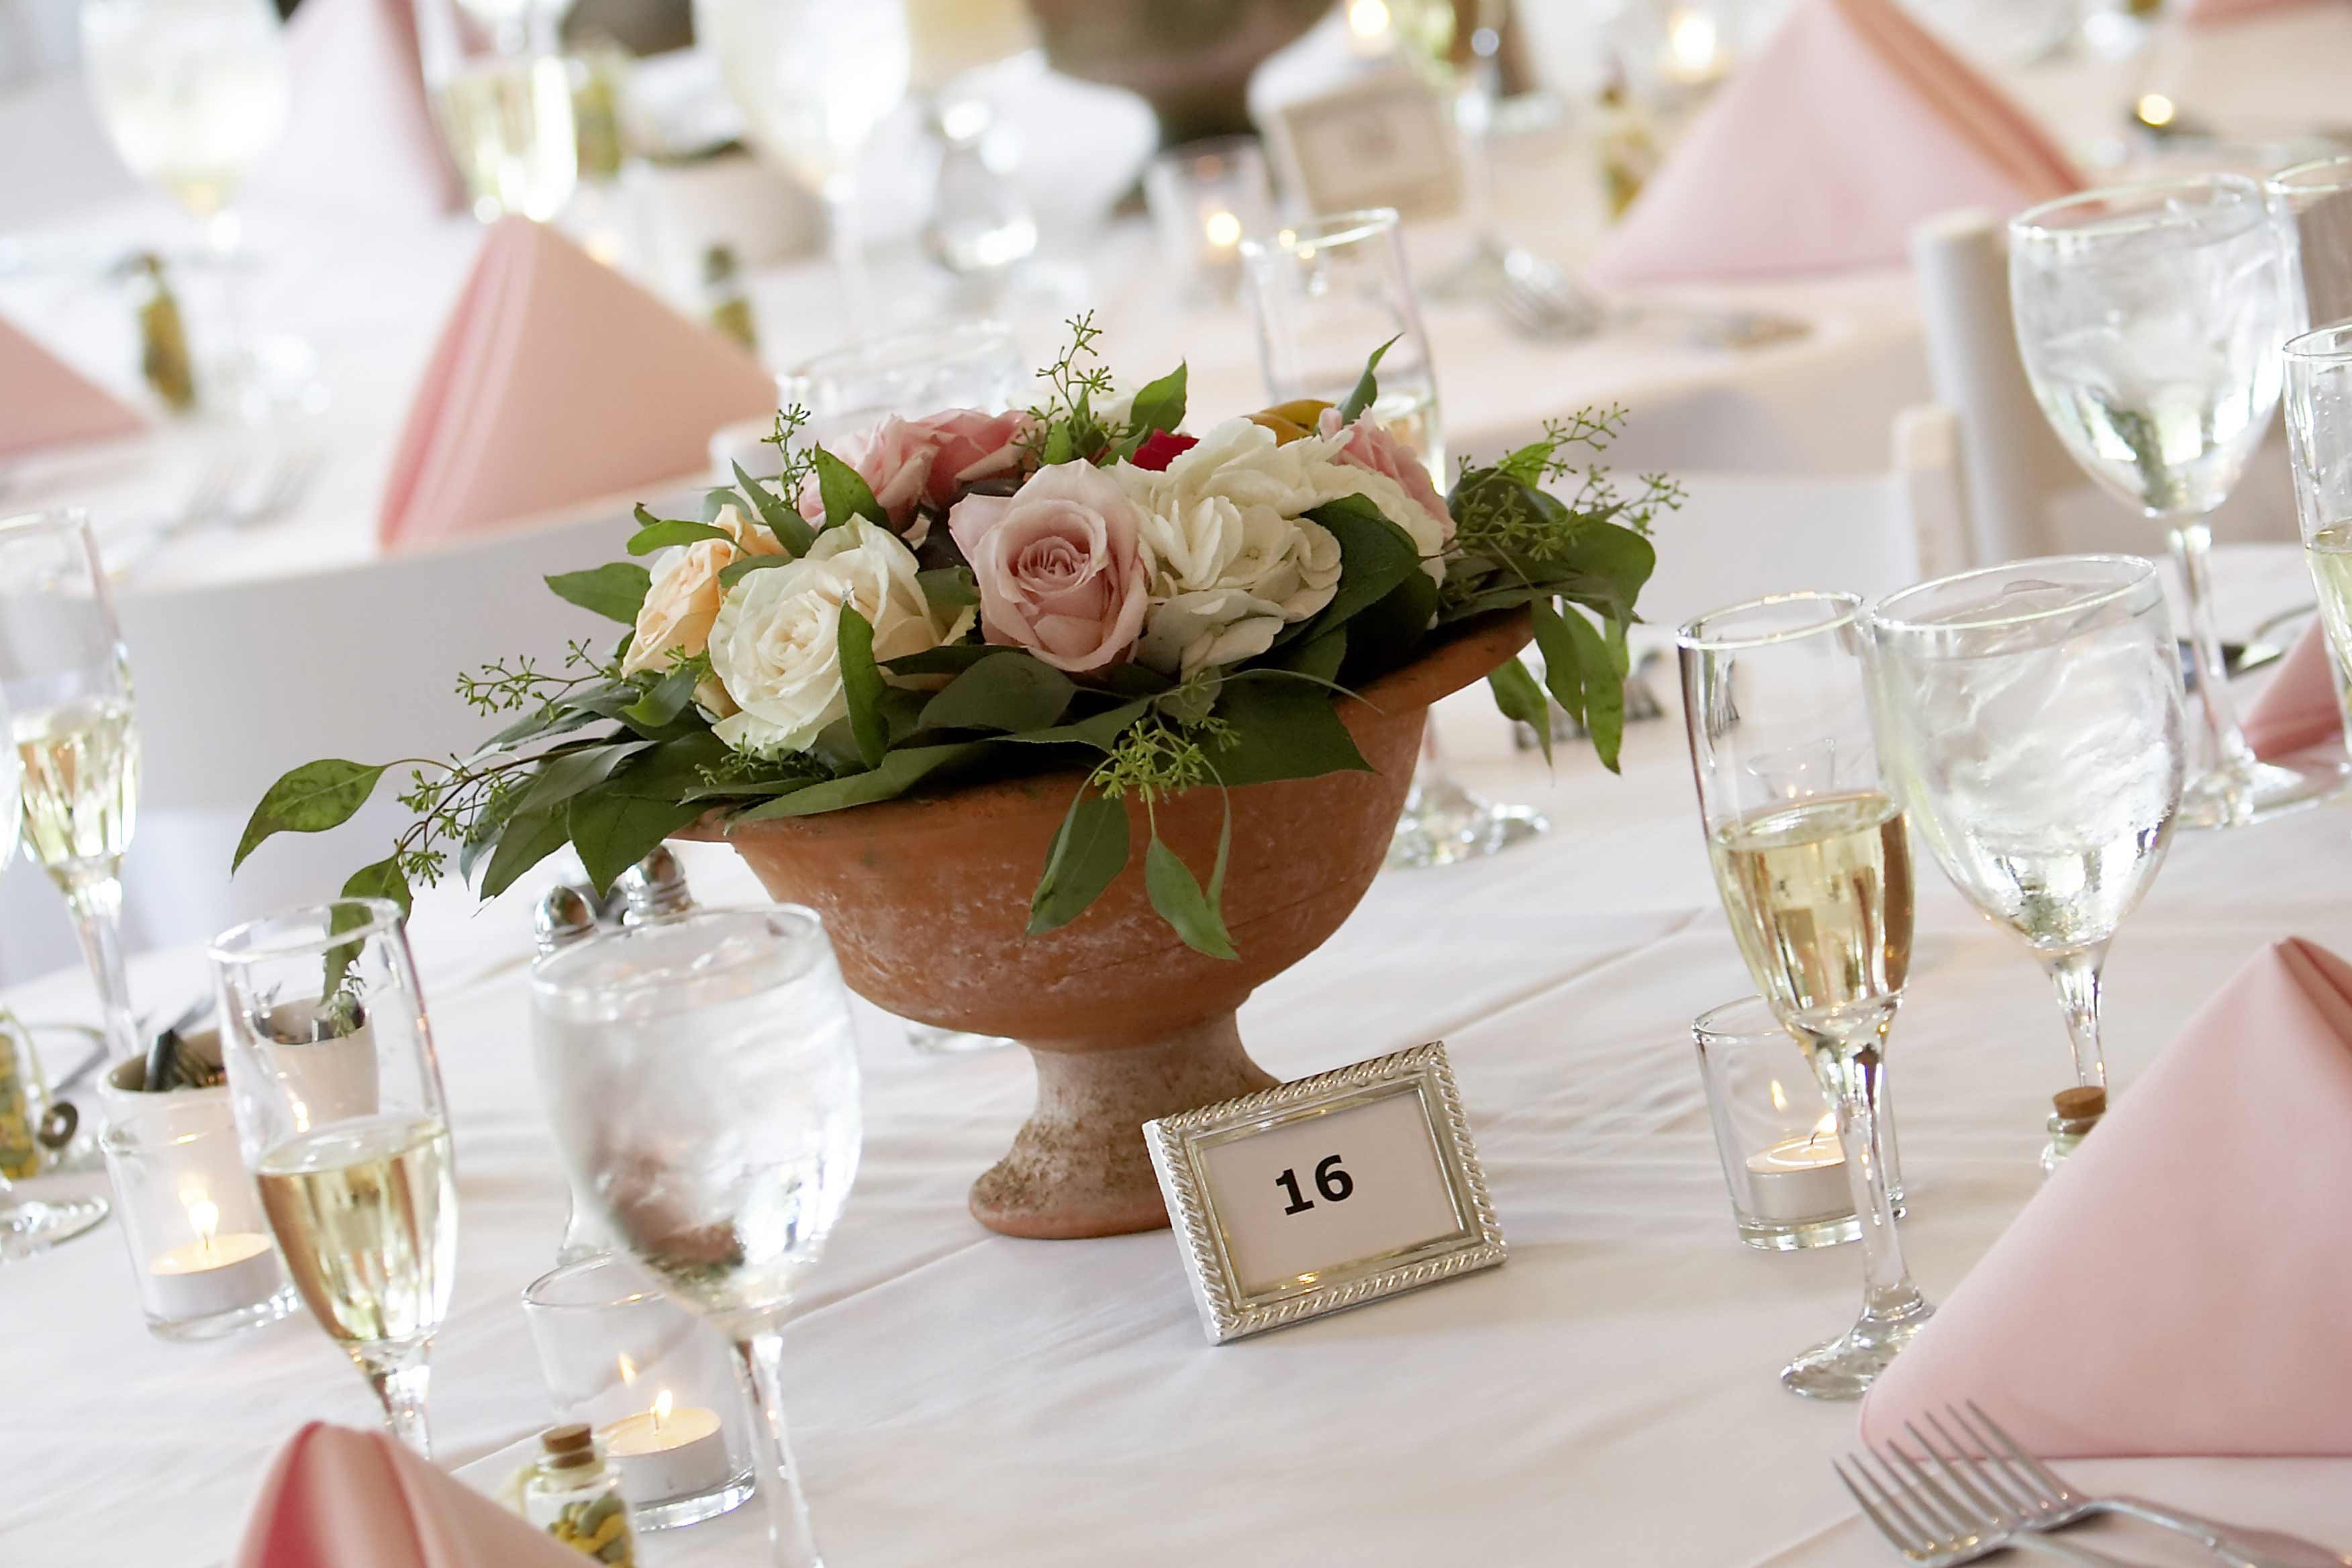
x=2150, y=318
x=1814, y=869
x=66, y=678
x=2031, y=716
x=2319, y=440
x=341, y=1117
x=701, y=1078
x=813, y=77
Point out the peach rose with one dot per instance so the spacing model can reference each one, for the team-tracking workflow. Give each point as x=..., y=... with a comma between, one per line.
x=1061, y=566
x=908, y=462
x=1366, y=443
x=683, y=600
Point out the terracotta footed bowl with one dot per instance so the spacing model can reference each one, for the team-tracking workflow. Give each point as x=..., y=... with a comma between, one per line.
x=927, y=901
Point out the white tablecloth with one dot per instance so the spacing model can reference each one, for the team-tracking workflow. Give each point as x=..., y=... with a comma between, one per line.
x=1606, y=1396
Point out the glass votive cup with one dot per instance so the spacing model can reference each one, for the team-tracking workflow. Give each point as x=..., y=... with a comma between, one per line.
x=655, y=1382
x=1205, y=197
x=200, y=1246
x=1777, y=1134
x=969, y=363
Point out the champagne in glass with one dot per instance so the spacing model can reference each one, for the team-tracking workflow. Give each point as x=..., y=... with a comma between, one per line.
x=1808, y=846
x=2149, y=319
x=67, y=679
x=2319, y=441
x=2032, y=714
x=341, y=1117
x=508, y=123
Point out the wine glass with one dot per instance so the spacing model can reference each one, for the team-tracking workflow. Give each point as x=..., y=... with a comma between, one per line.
x=1814, y=869
x=2312, y=204
x=945, y=364
x=341, y=1117
x=1324, y=295
x=2031, y=716
x=701, y=1078
x=813, y=77
x=67, y=681
x=502, y=97
x=192, y=92
x=2150, y=318
x=2319, y=441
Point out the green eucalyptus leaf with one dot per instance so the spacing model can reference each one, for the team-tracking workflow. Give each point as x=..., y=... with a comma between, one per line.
x=1375, y=555
x=1089, y=851
x=862, y=684
x=1520, y=696
x=555, y=719
x=1367, y=387
x=560, y=778
x=1160, y=405
x=1011, y=691
x=899, y=771
x=1282, y=730
x=784, y=520
x=612, y=832
x=1177, y=897
x=735, y=571
x=660, y=535
x=1101, y=731
x=524, y=842
x=846, y=494
x=615, y=590
x=714, y=502
x=948, y=588
x=672, y=770
x=1389, y=632
x=381, y=879
x=1564, y=670
x=953, y=659
x=311, y=799
x=1604, y=689
x=663, y=701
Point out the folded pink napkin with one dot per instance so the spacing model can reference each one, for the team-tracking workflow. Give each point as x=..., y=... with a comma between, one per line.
x=1852, y=126
x=46, y=402
x=2206, y=13
x=557, y=380
x=2298, y=708
x=339, y=1498
x=2179, y=1287
x=360, y=129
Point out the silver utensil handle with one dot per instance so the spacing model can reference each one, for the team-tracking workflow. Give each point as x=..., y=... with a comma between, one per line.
x=2051, y=1546
x=2215, y=1538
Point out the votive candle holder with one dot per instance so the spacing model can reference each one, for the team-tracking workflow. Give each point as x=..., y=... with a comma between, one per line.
x=1205, y=197
x=200, y=1246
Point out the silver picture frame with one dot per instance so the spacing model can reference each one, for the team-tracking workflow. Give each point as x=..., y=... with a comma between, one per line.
x=1230, y=1312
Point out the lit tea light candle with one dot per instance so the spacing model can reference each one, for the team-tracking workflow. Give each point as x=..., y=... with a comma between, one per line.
x=669, y=1451
x=217, y=1272
x=1694, y=55
x=1801, y=1178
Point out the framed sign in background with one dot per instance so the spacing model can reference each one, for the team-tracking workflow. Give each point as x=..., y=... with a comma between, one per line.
x=1385, y=142
x=1314, y=1196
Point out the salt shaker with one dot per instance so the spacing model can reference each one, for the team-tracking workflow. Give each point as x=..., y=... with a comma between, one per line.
x=654, y=889
x=564, y=915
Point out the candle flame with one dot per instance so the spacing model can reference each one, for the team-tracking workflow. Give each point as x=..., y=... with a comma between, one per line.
x=205, y=1216
x=628, y=1370
x=1225, y=230
x=661, y=1410
x=1825, y=1128
x=1692, y=39
x=1368, y=18
x=2155, y=110
x=1780, y=1096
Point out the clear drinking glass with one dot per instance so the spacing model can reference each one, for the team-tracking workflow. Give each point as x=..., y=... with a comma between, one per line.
x=2150, y=318
x=701, y=1078
x=66, y=680
x=502, y=97
x=1814, y=869
x=2031, y=716
x=2319, y=441
x=813, y=77
x=2313, y=204
x=1204, y=197
x=947, y=364
x=1325, y=294
x=340, y=1117
x=192, y=92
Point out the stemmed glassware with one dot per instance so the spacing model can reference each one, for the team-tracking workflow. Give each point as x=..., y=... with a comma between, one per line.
x=1325, y=294
x=701, y=1078
x=2313, y=204
x=2319, y=440
x=502, y=97
x=2032, y=715
x=1814, y=869
x=341, y=1117
x=2150, y=318
x=813, y=77
x=67, y=681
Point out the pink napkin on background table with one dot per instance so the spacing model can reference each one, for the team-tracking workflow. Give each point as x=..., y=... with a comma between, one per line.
x=46, y=402
x=2179, y=1286
x=339, y=1498
x=2206, y=13
x=1854, y=125
x=2298, y=708
x=360, y=130
x=556, y=380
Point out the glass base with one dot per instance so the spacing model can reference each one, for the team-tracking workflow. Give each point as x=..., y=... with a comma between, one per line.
x=677, y=1513
x=1846, y=1366
x=220, y=1325
x=30, y=1226
x=2237, y=797
x=1799, y=1235
x=1443, y=823
x=933, y=1041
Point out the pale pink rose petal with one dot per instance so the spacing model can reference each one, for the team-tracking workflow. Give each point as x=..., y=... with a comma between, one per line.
x=1060, y=566
x=1370, y=446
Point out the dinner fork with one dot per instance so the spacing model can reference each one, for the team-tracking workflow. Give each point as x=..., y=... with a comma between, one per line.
x=1931, y=1526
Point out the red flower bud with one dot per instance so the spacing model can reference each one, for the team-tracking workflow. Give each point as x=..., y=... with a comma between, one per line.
x=1163, y=447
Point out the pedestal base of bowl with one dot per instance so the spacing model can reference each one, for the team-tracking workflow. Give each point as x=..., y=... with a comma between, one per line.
x=1078, y=1167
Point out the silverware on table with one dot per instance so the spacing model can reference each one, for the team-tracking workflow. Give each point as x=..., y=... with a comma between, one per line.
x=219, y=500
x=1935, y=1524
x=1540, y=300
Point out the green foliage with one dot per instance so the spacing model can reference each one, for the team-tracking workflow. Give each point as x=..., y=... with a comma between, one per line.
x=861, y=683
x=1180, y=900
x=615, y=590
x=1068, y=425
x=659, y=533
x=845, y=491
x=1520, y=696
x=1089, y=851
x=1007, y=691
x=1159, y=406
x=612, y=832
x=311, y=799
x=781, y=517
x=1367, y=390
x=947, y=588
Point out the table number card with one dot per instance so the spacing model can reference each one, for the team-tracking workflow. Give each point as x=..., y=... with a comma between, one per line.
x=1314, y=1196
x=1383, y=141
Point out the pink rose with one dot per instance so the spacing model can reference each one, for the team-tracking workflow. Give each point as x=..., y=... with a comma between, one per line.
x=907, y=461
x=1368, y=444
x=970, y=447
x=1060, y=566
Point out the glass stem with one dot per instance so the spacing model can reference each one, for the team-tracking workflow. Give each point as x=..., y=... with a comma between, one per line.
x=399, y=1378
x=1473, y=116
x=225, y=239
x=848, y=250
x=94, y=895
x=1855, y=1077
x=2227, y=751
x=2076, y=976
x=758, y=1360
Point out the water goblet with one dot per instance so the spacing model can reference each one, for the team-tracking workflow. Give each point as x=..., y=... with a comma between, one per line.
x=67, y=681
x=701, y=1075
x=2032, y=715
x=2312, y=204
x=1814, y=869
x=2150, y=318
x=341, y=1117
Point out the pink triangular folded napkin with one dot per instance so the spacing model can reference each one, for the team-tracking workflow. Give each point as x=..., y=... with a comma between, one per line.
x=339, y=1498
x=2206, y=13
x=360, y=130
x=2299, y=707
x=2179, y=1287
x=44, y=402
x=557, y=380
x=1853, y=126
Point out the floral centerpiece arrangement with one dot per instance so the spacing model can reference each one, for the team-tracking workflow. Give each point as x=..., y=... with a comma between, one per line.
x=968, y=596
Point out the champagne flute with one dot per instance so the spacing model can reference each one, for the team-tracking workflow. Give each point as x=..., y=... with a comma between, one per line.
x=2319, y=441
x=813, y=77
x=502, y=101
x=2033, y=716
x=192, y=93
x=1814, y=869
x=340, y=1117
x=701, y=1078
x=66, y=680
x=2150, y=318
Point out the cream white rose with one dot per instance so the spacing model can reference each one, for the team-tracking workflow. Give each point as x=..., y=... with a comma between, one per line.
x=775, y=645
x=683, y=600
